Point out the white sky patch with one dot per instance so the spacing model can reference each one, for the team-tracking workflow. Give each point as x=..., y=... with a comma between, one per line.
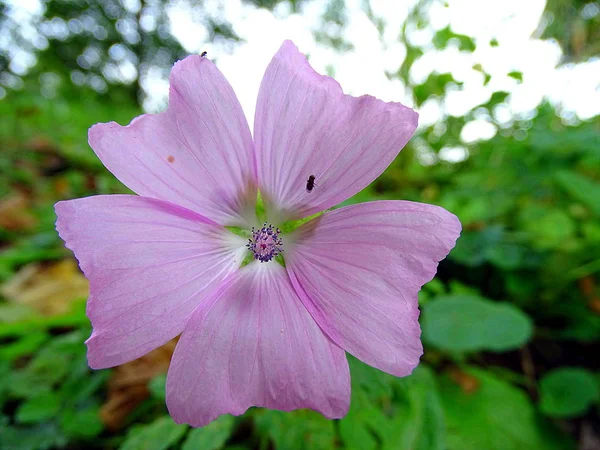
x=453, y=154
x=430, y=112
x=577, y=88
x=477, y=130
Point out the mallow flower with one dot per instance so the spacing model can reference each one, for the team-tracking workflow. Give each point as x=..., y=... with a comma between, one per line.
x=265, y=316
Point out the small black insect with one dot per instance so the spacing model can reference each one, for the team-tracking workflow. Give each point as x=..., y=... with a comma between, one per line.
x=310, y=183
x=203, y=54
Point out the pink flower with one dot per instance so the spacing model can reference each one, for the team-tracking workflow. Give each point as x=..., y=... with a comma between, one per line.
x=163, y=263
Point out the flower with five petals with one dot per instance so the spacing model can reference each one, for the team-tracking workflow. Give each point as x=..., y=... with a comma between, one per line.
x=165, y=262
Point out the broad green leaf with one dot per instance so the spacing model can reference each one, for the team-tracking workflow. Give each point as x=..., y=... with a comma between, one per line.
x=15, y=312
x=467, y=323
x=36, y=409
x=157, y=386
x=211, y=437
x=568, y=392
x=354, y=428
x=26, y=383
x=49, y=366
x=377, y=384
x=410, y=419
x=158, y=435
x=4, y=382
x=296, y=430
x=591, y=231
x=491, y=414
x=504, y=255
x=76, y=318
x=40, y=437
x=82, y=383
x=473, y=248
x=421, y=426
x=81, y=424
x=581, y=188
x=549, y=228
x=24, y=345
x=372, y=393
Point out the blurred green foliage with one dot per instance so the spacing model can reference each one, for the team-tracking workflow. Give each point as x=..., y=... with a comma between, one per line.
x=575, y=24
x=511, y=323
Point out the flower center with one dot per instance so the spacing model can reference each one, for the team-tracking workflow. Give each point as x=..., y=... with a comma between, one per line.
x=265, y=243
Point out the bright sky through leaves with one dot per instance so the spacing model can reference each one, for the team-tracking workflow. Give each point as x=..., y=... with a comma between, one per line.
x=514, y=24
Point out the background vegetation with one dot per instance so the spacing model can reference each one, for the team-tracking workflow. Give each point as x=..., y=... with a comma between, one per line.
x=511, y=323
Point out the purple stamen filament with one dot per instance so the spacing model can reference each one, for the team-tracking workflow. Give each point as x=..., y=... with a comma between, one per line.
x=265, y=243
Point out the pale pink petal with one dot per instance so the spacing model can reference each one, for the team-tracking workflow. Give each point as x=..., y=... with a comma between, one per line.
x=254, y=344
x=150, y=263
x=197, y=154
x=305, y=125
x=358, y=271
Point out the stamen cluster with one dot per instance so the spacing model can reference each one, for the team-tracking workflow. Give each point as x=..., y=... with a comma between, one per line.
x=265, y=243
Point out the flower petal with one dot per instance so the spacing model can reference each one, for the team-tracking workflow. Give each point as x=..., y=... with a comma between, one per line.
x=358, y=271
x=150, y=264
x=197, y=154
x=254, y=344
x=305, y=125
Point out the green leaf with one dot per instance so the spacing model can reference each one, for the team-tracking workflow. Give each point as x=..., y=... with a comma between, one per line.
x=16, y=312
x=158, y=435
x=443, y=37
x=434, y=85
x=422, y=425
x=4, y=382
x=581, y=188
x=49, y=366
x=568, y=392
x=211, y=437
x=408, y=418
x=516, y=75
x=549, y=228
x=81, y=424
x=301, y=430
x=495, y=99
x=354, y=428
x=473, y=248
x=156, y=386
x=508, y=256
x=494, y=415
x=75, y=318
x=40, y=437
x=81, y=383
x=468, y=323
x=24, y=345
x=39, y=408
x=24, y=383
x=376, y=384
